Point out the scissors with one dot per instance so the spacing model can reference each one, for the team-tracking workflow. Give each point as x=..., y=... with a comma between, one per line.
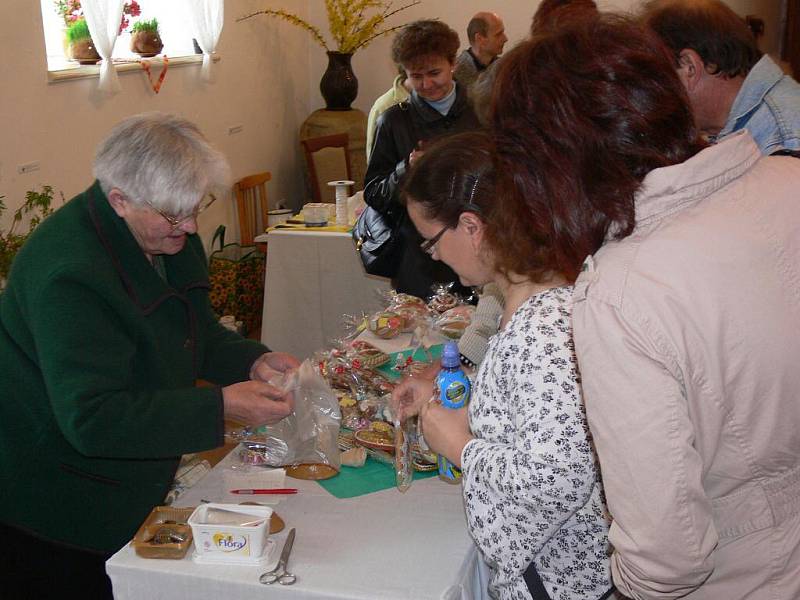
x=279, y=573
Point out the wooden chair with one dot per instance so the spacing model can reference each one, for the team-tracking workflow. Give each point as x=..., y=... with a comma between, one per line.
x=328, y=159
x=252, y=205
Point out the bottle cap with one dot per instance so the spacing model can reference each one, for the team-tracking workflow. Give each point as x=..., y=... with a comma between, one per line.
x=450, y=359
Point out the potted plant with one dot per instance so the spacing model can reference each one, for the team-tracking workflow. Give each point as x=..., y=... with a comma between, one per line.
x=81, y=46
x=71, y=11
x=145, y=39
x=353, y=25
x=36, y=203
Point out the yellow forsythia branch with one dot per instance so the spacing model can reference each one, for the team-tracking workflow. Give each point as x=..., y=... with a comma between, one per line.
x=349, y=25
x=294, y=20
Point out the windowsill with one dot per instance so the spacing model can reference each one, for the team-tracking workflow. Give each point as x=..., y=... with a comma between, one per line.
x=87, y=71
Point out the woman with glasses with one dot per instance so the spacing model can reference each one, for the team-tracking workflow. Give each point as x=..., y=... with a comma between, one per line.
x=105, y=325
x=531, y=483
x=438, y=106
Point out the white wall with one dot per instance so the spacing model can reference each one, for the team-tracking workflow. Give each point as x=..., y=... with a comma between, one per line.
x=261, y=84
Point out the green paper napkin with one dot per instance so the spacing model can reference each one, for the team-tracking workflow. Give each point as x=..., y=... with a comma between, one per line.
x=388, y=370
x=374, y=476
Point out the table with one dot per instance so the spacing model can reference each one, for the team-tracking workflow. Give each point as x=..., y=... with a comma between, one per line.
x=384, y=545
x=313, y=278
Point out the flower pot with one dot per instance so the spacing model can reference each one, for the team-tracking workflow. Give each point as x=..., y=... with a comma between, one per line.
x=84, y=52
x=146, y=43
x=339, y=85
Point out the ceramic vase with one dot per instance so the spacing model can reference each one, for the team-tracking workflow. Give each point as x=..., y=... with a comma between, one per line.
x=339, y=85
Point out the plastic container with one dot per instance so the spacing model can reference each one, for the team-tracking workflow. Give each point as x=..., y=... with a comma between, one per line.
x=316, y=214
x=230, y=532
x=454, y=389
x=278, y=216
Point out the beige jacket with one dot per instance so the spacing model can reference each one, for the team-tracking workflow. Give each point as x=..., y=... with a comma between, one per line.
x=688, y=339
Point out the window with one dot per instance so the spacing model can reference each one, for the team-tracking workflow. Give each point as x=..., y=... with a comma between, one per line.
x=172, y=24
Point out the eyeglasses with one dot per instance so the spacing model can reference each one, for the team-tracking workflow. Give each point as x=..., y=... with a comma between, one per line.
x=427, y=245
x=176, y=222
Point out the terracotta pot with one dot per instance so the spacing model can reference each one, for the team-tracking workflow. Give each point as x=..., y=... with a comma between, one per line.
x=146, y=43
x=339, y=85
x=84, y=52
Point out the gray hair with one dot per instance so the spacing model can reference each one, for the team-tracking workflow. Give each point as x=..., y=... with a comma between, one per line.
x=161, y=158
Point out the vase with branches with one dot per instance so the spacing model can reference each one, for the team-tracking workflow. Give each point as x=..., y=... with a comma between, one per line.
x=353, y=25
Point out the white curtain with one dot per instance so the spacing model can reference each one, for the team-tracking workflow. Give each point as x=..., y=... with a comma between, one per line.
x=206, y=19
x=103, y=18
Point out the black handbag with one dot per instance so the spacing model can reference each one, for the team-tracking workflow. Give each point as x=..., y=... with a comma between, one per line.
x=379, y=242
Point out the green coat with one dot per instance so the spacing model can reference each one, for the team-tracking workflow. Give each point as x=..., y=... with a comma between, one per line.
x=99, y=356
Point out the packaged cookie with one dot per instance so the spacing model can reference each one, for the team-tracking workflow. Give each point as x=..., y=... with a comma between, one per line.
x=386, y=325
x=453, y=322
x=443, y=299
x=367, y=355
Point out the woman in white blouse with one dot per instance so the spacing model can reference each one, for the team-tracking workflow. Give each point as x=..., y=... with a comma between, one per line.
x=532, y=489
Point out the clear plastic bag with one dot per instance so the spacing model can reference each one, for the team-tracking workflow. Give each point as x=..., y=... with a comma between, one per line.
x=404, y=472
x=307, y=436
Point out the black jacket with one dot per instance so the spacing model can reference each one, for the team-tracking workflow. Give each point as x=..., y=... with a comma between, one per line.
x=398, y=131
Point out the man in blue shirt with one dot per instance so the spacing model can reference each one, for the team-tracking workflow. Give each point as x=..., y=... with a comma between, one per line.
x=731, y=85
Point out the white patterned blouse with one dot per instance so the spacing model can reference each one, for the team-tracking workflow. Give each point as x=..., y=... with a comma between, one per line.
x=532, y=489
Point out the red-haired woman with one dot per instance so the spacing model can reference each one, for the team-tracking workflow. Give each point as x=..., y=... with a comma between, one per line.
x=687, y=309
x=532, y=489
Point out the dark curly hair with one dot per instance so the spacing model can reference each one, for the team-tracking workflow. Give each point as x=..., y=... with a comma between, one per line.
x=581, y=115
x=710, y=28
x=421, y=39
x=459, y=174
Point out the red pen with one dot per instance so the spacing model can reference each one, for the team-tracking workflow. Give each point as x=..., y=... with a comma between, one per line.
x=267, y=491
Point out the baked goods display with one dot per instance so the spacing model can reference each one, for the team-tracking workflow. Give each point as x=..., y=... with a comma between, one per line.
x=360, y=370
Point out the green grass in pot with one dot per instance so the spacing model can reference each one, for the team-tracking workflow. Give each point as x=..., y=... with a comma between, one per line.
x=78, y=31
x=150, y=26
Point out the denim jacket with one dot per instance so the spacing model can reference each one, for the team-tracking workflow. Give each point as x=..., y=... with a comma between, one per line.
x=768, y=106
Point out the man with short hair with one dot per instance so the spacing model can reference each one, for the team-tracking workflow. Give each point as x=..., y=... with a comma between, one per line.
x=487, y=36
x=731, y=85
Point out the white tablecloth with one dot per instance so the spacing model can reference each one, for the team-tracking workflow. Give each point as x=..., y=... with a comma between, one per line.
x=385, y=545
x=313, y=278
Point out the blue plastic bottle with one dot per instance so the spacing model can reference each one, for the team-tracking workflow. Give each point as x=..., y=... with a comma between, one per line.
x=454, y=388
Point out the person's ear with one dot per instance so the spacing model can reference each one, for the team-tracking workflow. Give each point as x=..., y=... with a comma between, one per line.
x=690, y=68
x=474, y=226
x=118, y=202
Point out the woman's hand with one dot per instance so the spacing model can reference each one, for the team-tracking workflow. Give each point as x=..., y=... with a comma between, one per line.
x=409, y=396
x=255, y=403
x=446, y=431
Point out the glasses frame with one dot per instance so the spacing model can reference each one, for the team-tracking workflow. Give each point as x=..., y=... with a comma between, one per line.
x=427, y=246
x=176, y=222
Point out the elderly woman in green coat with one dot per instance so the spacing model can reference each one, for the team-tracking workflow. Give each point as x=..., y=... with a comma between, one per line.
x=105, y=325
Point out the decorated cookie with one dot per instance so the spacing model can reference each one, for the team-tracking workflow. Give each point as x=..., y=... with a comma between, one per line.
x=386, y=325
